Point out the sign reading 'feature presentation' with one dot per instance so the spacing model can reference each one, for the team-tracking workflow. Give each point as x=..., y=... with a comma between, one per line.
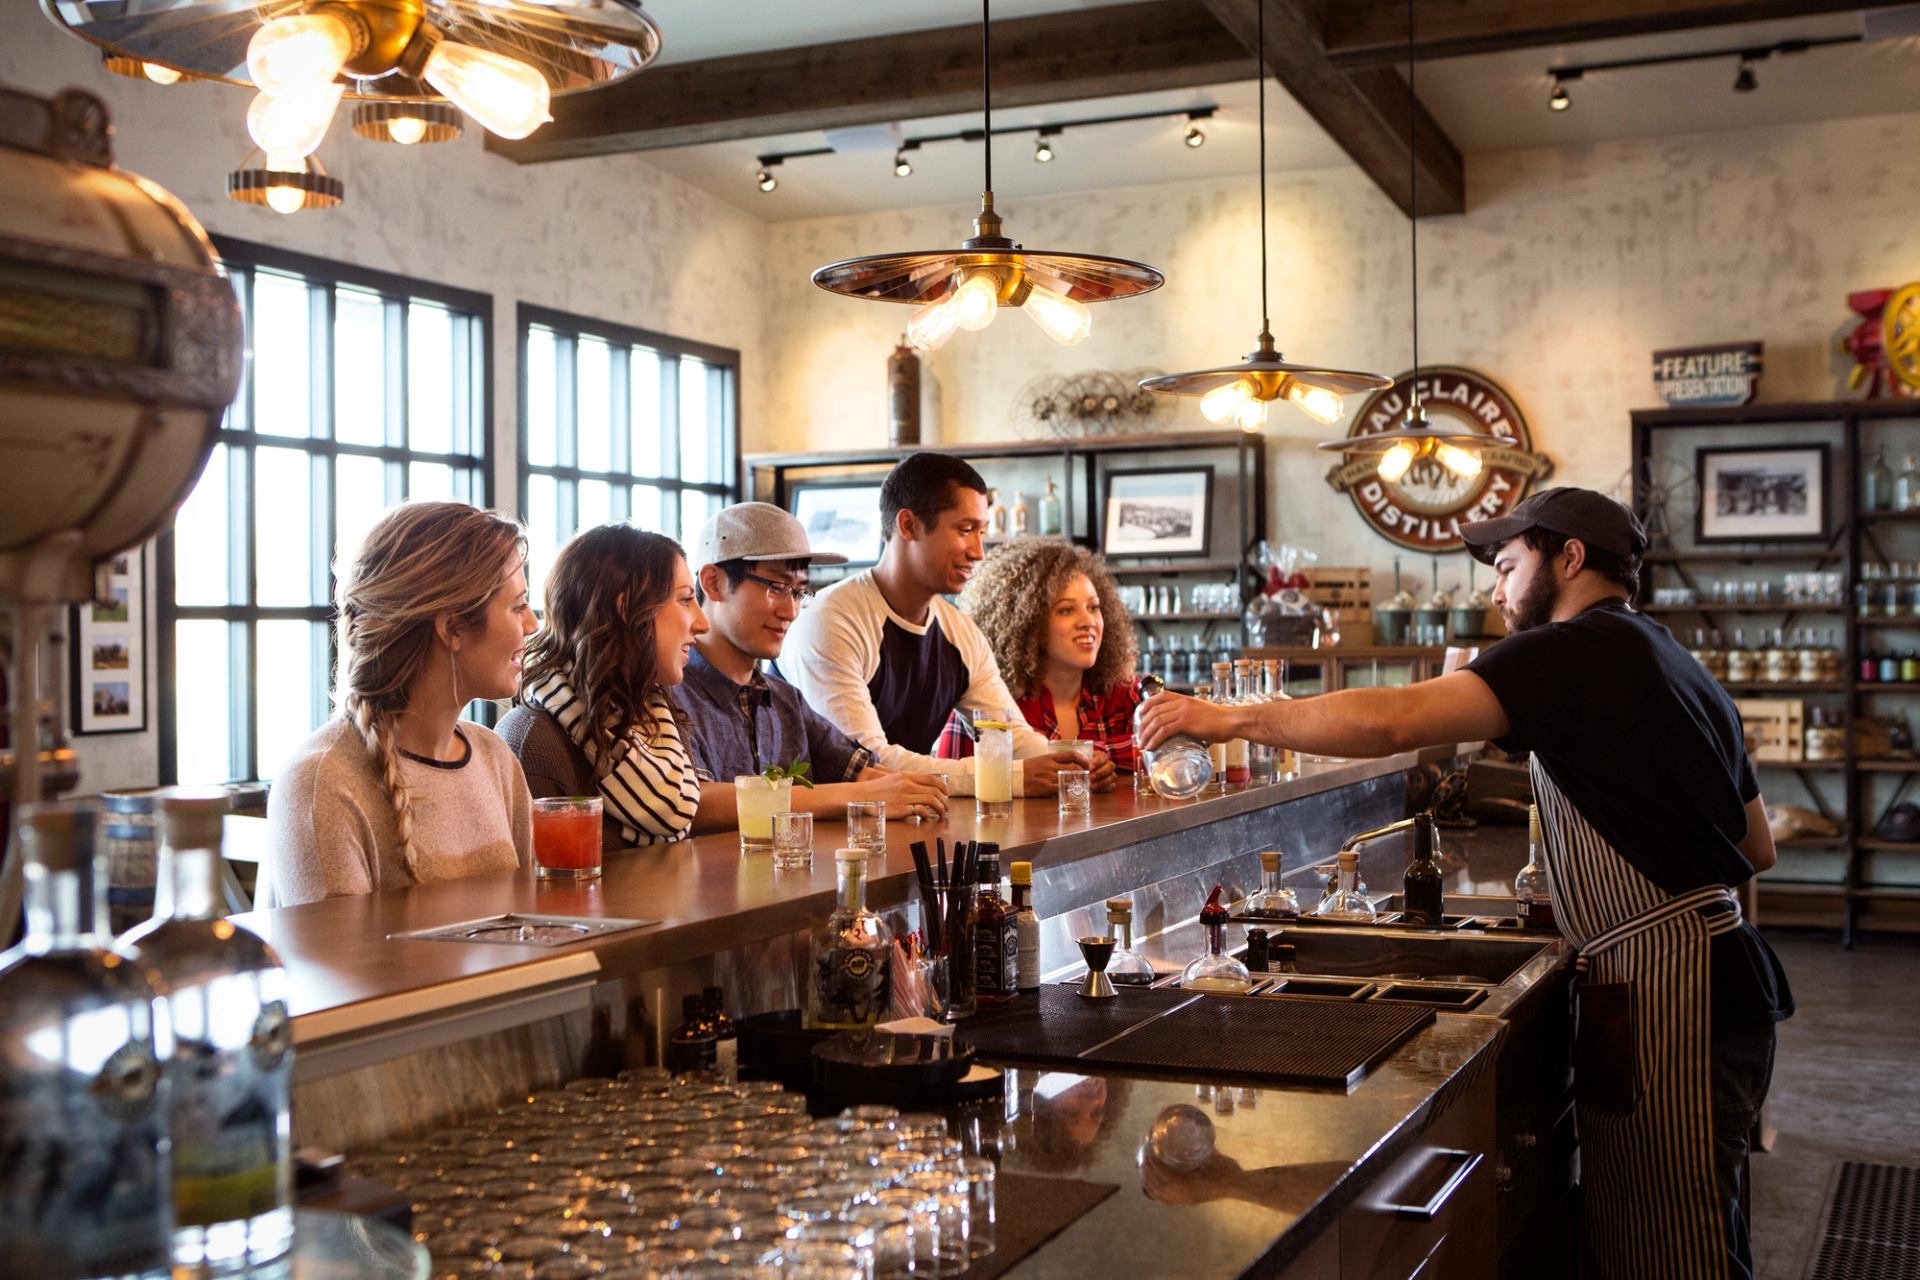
x=1424, y=509
x=1726, y=374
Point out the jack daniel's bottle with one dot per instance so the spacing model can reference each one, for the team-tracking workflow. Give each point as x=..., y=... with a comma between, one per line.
x=83, y=1174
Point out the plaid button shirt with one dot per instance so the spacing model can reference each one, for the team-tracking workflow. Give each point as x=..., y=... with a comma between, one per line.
x=1106, y=719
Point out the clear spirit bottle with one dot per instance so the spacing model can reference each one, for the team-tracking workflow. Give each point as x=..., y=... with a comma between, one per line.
x=1050, y=511
x=1214, y=969
x=1532, y=896
x=1232, y=762
x=1262, y=759
x=1274, y=686
x=229, y=1066
x=1347, y=902
x=1128, y=968
x=1179, y=768
x=1906, y=487
x=850, y=956
x=1273, y=899
x=83, y=1180
x=1877, y=494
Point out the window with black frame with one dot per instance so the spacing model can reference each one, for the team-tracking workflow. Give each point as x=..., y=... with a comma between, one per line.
x=362, y=389
x=620, y=424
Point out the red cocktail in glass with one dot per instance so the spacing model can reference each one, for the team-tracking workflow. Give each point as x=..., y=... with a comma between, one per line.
x=566, y=837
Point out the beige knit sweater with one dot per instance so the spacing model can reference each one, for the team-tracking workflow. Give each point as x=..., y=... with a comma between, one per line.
x=331, y=828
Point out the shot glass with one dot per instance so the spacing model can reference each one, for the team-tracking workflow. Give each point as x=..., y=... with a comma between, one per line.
x=1076, y=794
x=566, y=837
x=867, y=826
x=792, y=841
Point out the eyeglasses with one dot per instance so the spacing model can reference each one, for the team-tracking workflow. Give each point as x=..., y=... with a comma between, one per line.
x=779, y=592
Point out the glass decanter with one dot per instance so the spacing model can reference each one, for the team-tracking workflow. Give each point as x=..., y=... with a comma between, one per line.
x=1179, y=767
x=850, y=981
x=1215, y=970
x=1128, y=968
x=1273, y=898
x=1347, y=902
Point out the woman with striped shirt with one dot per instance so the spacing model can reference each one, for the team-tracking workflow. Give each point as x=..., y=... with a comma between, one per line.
x=621, y=618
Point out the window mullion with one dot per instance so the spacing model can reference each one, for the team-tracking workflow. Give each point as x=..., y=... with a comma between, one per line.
x=670, y=469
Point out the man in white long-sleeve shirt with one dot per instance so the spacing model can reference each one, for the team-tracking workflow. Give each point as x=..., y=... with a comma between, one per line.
x=887, y=658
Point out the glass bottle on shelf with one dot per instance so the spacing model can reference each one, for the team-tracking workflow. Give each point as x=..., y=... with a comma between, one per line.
x=1128, y=968
x=1347, y=902
x=1179, y=768
x=1877, y=484
x=229, y=1068
x=1018, y=514
x=1532, y=900
x=996, y=515
x=996, y=945
x=1273, y=898
x=1716, y=654
x=1049, y=513
x=87, y=1191
x=1740, y=664
x=1774, y=659
x=1809, y=659
x=1906, y=486
x=1214, y=969
x=1195, y=656
x=850, y=956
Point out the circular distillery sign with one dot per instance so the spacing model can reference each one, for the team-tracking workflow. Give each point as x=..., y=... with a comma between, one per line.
x=1424, y=508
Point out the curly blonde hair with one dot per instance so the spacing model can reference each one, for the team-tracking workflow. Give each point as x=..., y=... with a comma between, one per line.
x=1011, y=594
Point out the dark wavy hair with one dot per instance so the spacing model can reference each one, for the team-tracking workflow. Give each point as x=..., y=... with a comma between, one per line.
x=1011, y=597
x=602, y=593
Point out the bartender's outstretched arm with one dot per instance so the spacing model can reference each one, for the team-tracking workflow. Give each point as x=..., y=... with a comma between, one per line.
x=1354, y=722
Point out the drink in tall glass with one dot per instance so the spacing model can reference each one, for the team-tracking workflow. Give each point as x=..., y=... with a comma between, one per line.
x=993, y=768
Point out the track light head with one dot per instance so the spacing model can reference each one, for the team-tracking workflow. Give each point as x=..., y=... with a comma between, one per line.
x=1042, y=150
x=1558, y=99
x=1745, y=81
x=902, y=167
x=1195, y=136
x=765, y=180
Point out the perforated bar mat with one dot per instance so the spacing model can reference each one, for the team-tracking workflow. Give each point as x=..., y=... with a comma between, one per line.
x=1871, y=1229
x=1055, y=1022
x=1286, y=1039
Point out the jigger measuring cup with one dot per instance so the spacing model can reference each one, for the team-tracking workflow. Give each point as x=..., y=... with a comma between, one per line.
x=1097, y=951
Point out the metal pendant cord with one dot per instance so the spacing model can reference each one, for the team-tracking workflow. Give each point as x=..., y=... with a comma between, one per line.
x=1260, y=74
x=986, y=84
x=1413, y=191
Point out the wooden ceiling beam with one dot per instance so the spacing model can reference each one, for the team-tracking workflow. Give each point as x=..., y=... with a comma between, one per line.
x=1365, y=112
x=1373, y=33
x=1056, y=57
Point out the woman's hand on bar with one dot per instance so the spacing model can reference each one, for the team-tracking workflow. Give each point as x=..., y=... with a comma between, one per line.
x=1041, y=774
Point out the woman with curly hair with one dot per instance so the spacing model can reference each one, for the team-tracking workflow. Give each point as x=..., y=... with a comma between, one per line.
x=594, y=715
x=1053, y=617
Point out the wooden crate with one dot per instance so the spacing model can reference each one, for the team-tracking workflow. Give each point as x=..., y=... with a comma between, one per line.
x=1776, y=728
x=1346, y=587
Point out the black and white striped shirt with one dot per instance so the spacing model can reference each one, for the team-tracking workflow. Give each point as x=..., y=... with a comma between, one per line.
x=652, y=790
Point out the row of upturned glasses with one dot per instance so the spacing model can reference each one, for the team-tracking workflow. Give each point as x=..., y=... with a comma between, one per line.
x=691, y=1178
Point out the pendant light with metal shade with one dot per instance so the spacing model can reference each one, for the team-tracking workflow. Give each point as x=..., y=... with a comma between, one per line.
x=1416, y=437
x=964, y=288
x=1242, y=392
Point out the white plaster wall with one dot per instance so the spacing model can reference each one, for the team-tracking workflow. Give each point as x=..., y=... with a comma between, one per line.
x=1572, y=266
x=614, y=239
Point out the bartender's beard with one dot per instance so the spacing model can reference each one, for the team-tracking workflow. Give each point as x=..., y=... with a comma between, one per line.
x=1535, y=608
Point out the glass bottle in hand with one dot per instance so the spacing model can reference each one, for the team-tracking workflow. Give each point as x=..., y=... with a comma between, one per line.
x=1179, y=767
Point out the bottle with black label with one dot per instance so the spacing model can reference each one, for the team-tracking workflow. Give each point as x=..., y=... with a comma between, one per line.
x=996, y=947
x=1026, y=926
x=1533, y=899
x=1257, y=954
x=1425, y=900
x=693, y=1045
x=726, y=1036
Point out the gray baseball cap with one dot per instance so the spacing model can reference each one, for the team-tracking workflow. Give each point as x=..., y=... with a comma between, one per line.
x=754, y=531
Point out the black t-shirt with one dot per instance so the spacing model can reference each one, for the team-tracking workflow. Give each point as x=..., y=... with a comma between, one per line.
x=1650, y=749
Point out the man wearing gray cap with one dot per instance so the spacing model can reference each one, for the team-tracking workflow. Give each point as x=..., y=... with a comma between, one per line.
x=1650, y=815
x=751, y=562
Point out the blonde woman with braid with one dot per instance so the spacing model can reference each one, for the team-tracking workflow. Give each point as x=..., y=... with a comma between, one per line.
x=397, y=789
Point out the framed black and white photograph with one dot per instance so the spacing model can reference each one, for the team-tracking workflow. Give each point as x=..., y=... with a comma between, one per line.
x=1164, y=512
x=1762, y=495
x=840, y=515
x=110, y=654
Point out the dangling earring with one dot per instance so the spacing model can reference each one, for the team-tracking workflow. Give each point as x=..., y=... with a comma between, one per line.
x=453, y=665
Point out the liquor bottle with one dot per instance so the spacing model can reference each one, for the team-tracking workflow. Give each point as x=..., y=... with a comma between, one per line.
x=996, y=515
x=693, y=1045
x=1740, y=660
x=1262, y=760
x=1273, y=684
x=1273, y=899
x=726, y=1035
x=229, y=1068
x=1018, y=513
x=1026, y=927
x=1280, y=958
x=1532, y=899
x=849, y=956
x=1232, y=759
x=1050, y=511
x=1906, y=488
x=996, y=943
x=1425, y=898
x=83, y=1186
x=1877, y=483
x=1347, y=901
x=1194, y=659
x=1257, y=955
x=1179, y=767
x=1214, y=969
x=1128, y=968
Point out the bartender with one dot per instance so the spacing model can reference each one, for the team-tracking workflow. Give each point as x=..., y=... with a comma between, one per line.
x=1651, y=814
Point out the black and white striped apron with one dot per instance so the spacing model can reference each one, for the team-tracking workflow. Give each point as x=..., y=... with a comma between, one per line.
x=1652, y=1208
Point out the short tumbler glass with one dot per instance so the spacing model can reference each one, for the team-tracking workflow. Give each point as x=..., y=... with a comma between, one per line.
x=792, y=841
x=867, y=826
x=566, y=837
x=1076, y=793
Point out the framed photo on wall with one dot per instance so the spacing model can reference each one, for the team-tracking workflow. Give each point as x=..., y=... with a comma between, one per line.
x=1160, y=512
x=1772, y=494
x=840, y=515
x=110, y=653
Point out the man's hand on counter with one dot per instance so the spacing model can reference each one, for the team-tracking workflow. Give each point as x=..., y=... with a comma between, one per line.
x=908, y=795
x=1166, y=714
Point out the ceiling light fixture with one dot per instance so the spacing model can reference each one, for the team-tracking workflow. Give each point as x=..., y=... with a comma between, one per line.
x=1558, y=99
x=138, y=68
x=902, y=167
x=965, y=287
x=1046, y=131
x=406, y=123
x=1195, y=137
x=285, y=184
x=1042, y=150
x=763, y=178
x=1241, y=393
x=1415, y=438
x=1745, y=81
x=499, y=61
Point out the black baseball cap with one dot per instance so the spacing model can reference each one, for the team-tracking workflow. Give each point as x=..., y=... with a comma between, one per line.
x=1590, y=516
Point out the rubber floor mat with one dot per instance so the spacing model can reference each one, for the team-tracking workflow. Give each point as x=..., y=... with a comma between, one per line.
x=1871, y=1227
x=1055, y=1022
x=1284, y=1039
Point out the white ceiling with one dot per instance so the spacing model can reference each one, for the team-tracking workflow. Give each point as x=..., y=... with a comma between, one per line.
x=1486, y=103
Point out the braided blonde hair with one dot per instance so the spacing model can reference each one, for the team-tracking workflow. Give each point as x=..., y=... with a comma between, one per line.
x=420, y=562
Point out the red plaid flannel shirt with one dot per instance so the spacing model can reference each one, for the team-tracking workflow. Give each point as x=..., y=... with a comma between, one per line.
x=1105, y=719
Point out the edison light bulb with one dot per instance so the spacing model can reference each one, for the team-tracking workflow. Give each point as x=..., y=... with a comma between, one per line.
x=976, y=301
x=305, y=51
x=293, y=124
x=1251, y=415
x=1395, y=461
x=1317, y=402
x=933, y=324
x=280, y=197
x=159, y=74
x=1222, y=403
x=406, y=130
x=1065, y=321
x=1464, y=463
x=504, y=94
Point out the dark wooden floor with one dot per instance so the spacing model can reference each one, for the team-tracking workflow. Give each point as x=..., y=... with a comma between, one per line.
x=1846, y=1083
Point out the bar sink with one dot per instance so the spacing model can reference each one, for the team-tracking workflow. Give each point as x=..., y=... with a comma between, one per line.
x=1404, y=956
